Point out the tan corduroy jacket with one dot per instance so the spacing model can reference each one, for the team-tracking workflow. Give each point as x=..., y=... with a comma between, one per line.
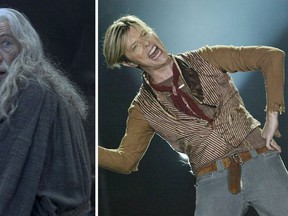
x=202, y=143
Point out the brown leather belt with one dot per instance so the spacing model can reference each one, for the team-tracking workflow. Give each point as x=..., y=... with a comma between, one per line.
x=233, y=162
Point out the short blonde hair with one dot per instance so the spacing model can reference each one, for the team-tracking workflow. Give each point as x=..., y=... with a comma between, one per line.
x=115, y=37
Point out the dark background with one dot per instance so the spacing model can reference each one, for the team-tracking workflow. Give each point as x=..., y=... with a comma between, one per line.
x=163, y=185
x=67, y=29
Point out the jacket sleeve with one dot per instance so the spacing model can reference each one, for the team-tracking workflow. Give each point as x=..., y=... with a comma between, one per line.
x=269, y=60
x=133, y=146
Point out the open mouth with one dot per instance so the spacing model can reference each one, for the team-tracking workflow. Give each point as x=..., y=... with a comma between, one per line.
x=154, y=53
x=2, y=74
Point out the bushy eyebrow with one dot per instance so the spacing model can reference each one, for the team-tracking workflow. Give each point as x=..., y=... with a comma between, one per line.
x=6, y=35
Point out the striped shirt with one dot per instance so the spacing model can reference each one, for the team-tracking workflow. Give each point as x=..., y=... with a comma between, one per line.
x=234, y=129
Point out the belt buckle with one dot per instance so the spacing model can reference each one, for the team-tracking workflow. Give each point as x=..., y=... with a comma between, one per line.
x=236, y=157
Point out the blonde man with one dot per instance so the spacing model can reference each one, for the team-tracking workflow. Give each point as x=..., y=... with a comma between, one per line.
x=190, y=100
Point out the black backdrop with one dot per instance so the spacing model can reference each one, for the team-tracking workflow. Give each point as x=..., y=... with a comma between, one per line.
x=67, y=29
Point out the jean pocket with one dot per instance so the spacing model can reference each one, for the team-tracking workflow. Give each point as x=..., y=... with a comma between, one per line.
x=271, y=153
x=206, y=178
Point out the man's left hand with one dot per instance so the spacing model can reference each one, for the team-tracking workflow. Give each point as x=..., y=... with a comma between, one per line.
x=270, y=130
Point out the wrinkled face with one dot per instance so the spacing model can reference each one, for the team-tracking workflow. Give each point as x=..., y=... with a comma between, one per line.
x=9, y=48
x=145, y=49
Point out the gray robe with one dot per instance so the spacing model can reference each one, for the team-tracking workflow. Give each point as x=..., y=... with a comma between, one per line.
x=44, y=161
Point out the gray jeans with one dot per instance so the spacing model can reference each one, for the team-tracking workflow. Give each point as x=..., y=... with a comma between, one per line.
x=264, y=181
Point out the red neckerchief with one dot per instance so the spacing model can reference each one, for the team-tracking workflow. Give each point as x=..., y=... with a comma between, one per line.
x=181, y=99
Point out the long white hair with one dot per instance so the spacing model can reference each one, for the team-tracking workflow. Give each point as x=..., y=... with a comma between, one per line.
x=32, y=63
